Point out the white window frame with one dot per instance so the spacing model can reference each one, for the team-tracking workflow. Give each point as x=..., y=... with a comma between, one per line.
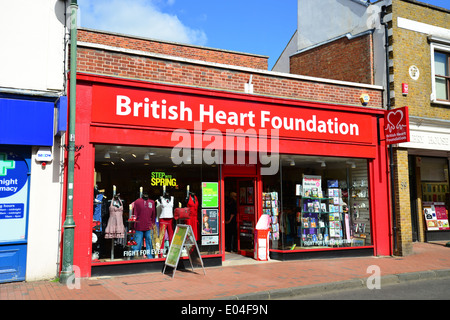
x=434, y=46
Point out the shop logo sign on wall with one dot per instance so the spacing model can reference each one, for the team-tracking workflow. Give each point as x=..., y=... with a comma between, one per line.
x=13, y=175
x=397, y=125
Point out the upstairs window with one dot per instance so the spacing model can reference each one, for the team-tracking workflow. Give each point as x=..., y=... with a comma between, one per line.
x=442, y=75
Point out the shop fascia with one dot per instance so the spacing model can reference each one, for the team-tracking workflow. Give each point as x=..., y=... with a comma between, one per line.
x=252, y=125
x=208, y=114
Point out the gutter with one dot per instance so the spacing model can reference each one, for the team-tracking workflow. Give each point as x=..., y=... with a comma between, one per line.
x=388, y=107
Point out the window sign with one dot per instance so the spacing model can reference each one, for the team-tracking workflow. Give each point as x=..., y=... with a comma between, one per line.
x=163, y=179
x=210, y=195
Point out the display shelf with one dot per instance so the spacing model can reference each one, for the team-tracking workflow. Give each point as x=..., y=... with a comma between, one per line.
x=359, y=206
x=271, y=206
x=312, y=218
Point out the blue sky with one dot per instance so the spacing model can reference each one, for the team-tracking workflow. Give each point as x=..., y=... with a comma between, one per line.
x=255, y=26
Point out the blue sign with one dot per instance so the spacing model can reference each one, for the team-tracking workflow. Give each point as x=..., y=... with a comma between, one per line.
x=13, y=174
x=26, y=122
x=11, y=210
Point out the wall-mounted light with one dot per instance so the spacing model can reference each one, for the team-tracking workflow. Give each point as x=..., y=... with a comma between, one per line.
x=107, y=155
x=322, y=163
x=351, y=164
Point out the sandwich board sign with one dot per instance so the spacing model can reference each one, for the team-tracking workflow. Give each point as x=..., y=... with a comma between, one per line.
x=183, y=238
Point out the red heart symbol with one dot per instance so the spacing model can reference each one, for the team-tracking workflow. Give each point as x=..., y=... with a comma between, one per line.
x=395, y=117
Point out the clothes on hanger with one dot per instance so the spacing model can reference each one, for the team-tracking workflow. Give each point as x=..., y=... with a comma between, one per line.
x=145, y=211
x=166, y=216
x=115, y=228
x=192, y=204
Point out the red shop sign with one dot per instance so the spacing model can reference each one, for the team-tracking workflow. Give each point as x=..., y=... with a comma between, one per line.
x=174, y=110
x=397, y=125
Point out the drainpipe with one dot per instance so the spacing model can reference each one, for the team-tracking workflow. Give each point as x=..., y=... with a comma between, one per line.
x=69, y=224
x=388, y=106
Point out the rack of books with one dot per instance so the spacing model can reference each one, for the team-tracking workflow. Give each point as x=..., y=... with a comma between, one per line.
x=271, y=207
x=312, y=212
x=322, y=217
x=313, y=221
x=335, y=216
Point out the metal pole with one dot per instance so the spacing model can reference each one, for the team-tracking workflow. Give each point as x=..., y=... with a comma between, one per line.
x=69, y=223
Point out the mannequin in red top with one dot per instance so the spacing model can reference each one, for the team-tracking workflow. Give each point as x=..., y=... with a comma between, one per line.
x=192, y=204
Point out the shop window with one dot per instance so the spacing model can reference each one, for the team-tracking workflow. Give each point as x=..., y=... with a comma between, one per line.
x=124, y=174
x=435, y=180
x=318, y=202
x=435, y=192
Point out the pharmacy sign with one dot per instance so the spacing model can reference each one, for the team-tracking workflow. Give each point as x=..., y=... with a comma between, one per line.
x=13, y=174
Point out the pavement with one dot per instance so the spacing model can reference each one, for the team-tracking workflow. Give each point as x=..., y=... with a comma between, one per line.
x=246, y=279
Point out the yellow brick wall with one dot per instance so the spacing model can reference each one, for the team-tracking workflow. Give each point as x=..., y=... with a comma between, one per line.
x=412, y=48
x=402, y=202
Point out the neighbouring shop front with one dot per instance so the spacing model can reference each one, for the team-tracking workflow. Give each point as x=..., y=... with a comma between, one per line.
x=26, y=132
x=319, y=171
x=429, y=188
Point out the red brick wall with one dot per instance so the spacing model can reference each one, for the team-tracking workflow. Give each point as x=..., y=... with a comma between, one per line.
x=174, y=49
x=147, y=68
x=343, y=59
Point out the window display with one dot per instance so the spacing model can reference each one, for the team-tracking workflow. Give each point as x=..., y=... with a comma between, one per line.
x=136, y=192
x=318, y=202
x=435, y=195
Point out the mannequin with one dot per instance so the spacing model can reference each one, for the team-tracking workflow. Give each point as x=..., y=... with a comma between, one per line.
x=145, y=212
x=192, y=204
x=115, y=228
x=166, y=216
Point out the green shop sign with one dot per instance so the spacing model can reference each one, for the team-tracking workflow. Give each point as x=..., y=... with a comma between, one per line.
x=210, y=195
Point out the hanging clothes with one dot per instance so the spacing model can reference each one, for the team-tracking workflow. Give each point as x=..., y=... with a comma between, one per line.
x=166, y=216
x=97, y=217
x=115, y=228
x=192, y=204
x=145, y=212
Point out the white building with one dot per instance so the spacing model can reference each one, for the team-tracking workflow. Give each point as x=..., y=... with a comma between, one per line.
x=33, y=105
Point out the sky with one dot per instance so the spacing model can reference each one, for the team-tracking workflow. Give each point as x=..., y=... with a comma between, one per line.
x=262, y=27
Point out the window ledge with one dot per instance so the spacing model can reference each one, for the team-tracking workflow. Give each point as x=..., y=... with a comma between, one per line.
x=444, y=103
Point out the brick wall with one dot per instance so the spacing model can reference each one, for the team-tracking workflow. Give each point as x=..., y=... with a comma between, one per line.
x=412, y=48
x=343, y=59
x=402, y=203
x=150, y=68
x=174, y=49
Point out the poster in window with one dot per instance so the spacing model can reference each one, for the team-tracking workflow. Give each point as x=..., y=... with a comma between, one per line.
x=210, y=221
x=210, y=194
x=430, y=217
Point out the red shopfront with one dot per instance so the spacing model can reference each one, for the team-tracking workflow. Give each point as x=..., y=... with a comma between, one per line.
x=319, y=171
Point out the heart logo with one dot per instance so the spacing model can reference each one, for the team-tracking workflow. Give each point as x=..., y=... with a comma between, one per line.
x=394, y=119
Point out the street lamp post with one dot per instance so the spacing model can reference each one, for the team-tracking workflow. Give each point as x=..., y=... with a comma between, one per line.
x=69, y=223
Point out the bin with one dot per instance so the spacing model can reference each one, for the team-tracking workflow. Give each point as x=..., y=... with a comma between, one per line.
x=261, y=251
x=262, y=230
